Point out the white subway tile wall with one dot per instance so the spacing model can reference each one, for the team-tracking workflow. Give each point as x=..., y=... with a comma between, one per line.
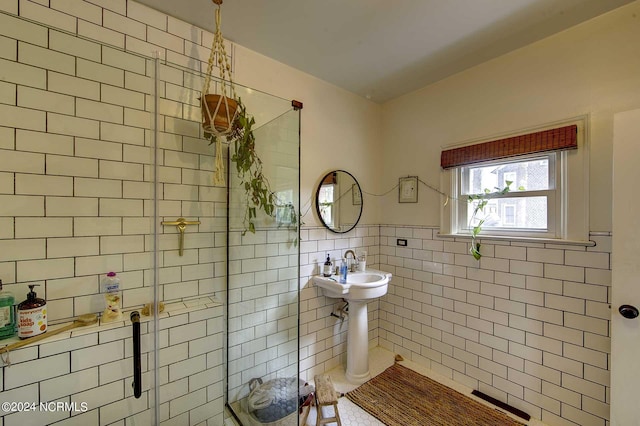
x=75, y=142
x=95, y=367
x=533, y=333
x=75, y=191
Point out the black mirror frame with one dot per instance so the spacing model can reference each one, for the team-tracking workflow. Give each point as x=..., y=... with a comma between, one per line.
x=318, y=206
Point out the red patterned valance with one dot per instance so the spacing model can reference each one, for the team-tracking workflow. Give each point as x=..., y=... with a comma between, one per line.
x=546, y=140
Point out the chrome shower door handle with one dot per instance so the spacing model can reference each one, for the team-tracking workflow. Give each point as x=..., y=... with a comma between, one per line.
x=137, y=366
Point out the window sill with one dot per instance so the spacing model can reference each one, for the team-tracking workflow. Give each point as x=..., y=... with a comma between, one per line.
x=485, y=237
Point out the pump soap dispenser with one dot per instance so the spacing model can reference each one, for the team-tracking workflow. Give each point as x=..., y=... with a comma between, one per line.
x=32, y=315
x=326, y=268
x=7, y=314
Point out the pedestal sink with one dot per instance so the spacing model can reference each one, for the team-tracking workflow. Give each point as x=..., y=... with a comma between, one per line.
x=360, y=288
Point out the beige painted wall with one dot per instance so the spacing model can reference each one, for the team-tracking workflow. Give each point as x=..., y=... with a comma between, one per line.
x=340, y=130
x=593, y=68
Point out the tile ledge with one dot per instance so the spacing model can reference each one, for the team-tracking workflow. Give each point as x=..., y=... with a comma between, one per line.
x=171, y=309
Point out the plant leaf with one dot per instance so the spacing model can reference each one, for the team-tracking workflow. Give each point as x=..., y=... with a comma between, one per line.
x=475, y=251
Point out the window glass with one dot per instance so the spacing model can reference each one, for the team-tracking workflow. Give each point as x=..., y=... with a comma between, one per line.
x=525, y=207
x=527, y=175
x=325, y=199
x=521, y=213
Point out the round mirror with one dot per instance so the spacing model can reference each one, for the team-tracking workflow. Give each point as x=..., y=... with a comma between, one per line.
x=339, y=201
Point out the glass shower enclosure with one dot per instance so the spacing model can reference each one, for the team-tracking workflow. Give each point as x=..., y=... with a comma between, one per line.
x=101, y=169
x=263, y=290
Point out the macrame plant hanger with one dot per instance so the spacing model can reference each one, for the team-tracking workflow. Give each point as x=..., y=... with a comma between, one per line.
x=219, y=111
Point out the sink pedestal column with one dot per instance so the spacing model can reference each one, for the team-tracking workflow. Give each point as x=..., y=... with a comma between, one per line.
x=358, y=342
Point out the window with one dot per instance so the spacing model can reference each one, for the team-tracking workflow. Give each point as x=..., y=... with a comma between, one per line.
x=548, y=175
x=325, y=203
x=528, y=207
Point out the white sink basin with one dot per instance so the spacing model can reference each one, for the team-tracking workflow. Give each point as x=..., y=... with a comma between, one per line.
x=360, y=285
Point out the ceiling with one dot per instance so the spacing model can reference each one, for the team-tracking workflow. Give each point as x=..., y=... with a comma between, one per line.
x=384, y=49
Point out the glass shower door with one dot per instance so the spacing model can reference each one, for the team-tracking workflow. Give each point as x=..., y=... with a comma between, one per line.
x=263, y=284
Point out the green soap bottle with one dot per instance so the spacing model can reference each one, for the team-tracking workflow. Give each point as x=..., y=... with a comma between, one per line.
x=7, y=314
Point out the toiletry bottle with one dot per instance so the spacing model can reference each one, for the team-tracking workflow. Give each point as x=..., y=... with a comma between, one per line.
x=112, y=298
x=326, y=268
x=362, y=261
x=343, y=271
x=32, y=315
x=7, y=314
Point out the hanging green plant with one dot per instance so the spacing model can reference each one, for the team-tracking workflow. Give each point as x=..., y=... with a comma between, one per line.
x=248, y=165
x=225, y=120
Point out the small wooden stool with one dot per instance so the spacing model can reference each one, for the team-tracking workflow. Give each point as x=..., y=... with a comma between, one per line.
x=326, y=395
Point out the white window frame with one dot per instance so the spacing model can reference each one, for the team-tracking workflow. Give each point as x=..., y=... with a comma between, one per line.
x=568, y=207
x=552, y=195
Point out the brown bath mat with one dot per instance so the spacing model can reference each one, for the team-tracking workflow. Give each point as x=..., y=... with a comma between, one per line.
x=401, y=397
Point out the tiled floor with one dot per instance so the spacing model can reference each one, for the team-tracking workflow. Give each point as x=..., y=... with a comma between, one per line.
x=379, y=360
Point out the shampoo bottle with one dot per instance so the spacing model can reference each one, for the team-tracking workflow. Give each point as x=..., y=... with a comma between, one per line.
x=32, y=315
x=326, y=268
x=7, y=314
x=112, y=298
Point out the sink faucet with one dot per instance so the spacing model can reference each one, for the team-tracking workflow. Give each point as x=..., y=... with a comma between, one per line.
x=353, y=265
